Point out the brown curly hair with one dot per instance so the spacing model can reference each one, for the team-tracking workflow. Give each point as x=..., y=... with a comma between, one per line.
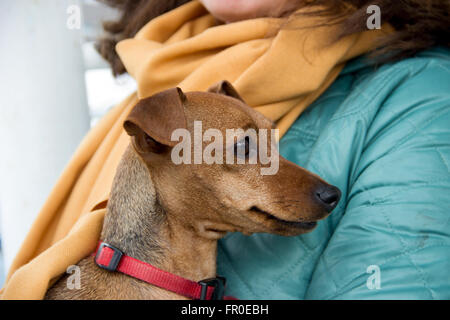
x=419, y=24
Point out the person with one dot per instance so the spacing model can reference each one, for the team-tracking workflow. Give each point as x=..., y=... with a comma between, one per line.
x=367, y=109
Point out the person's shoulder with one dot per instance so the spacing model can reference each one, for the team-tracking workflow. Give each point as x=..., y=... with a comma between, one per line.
x=406, y=97
x=425, y=75
x=410, y=80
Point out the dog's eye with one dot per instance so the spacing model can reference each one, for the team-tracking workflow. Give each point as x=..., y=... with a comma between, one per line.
x=148, y=140
x=144, y=144
x=242, y=147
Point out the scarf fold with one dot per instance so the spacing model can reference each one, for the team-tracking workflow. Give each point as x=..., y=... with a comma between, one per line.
x=278, y=66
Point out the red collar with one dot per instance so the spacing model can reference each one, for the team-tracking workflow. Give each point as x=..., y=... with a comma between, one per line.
x=112, y=259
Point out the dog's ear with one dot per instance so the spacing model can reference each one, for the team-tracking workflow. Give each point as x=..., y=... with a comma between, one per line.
x=153, y=119
x=225, y=88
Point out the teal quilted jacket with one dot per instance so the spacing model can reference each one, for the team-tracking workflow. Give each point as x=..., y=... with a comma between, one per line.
x=383, y=137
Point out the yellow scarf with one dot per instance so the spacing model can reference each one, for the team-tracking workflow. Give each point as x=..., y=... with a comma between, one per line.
x=277, y=71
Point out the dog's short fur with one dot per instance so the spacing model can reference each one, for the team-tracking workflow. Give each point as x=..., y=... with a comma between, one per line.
x=172, y=215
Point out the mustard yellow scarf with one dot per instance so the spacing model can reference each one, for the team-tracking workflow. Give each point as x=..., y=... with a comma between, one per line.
x=279, y=67
x=279, y=73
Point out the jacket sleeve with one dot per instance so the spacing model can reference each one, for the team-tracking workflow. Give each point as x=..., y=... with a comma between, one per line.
x=393, y=241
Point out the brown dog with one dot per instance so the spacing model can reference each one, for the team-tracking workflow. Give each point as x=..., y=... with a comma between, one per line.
x=171, y=216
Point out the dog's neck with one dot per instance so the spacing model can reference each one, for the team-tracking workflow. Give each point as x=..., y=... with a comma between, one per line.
x=137, y=224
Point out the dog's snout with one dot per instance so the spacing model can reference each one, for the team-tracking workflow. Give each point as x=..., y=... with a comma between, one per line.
x=328, y=197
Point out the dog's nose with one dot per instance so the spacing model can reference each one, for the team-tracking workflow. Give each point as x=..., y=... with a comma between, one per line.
x=328, y=197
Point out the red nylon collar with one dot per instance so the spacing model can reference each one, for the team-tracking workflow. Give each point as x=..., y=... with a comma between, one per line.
x=112, y=259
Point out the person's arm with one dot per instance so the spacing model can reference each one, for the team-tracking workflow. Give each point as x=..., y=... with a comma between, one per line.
x=393, y=241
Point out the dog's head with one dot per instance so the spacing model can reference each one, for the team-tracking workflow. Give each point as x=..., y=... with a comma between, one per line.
x=216, y=193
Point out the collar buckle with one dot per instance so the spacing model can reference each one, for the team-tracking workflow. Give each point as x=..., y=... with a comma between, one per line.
x=218, y=283
x=113, y=262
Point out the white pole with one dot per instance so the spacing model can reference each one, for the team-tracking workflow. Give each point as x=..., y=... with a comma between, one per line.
x=43, y=109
